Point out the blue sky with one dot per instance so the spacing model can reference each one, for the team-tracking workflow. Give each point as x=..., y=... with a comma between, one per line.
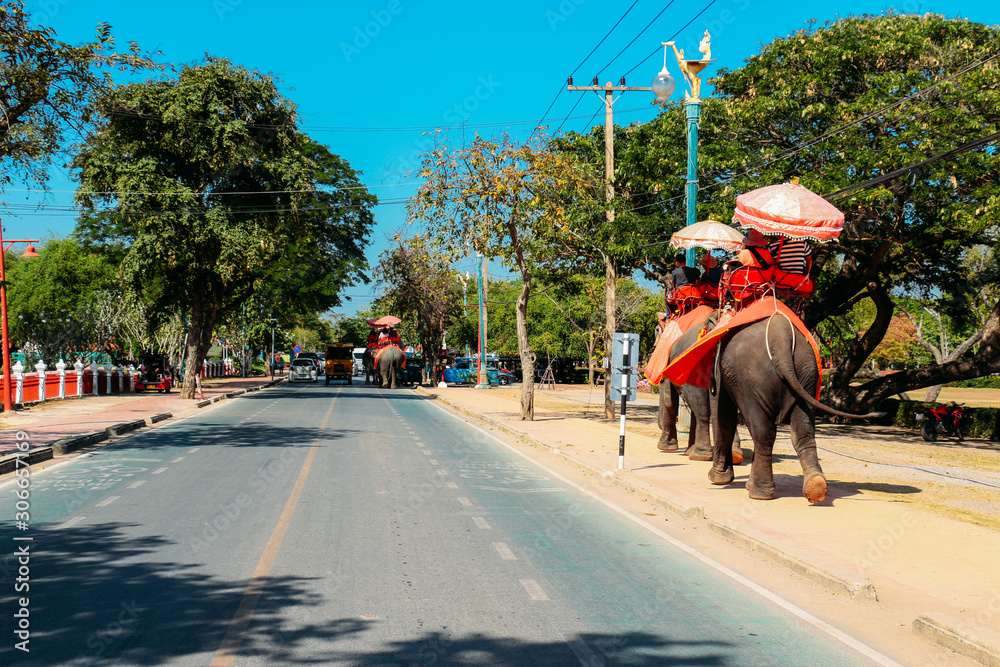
x=369, y=78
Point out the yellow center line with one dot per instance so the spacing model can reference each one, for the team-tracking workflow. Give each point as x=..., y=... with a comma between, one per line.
x=226, y=655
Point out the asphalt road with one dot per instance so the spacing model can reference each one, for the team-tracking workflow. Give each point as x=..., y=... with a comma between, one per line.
x=357, y=526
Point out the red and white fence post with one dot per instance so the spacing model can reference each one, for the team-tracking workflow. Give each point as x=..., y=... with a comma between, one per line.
x=61, y=369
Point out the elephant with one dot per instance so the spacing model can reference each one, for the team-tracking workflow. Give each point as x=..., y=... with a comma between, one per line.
x=767, y=371
x=371, y=371
x=390, y=361
x=699, y=447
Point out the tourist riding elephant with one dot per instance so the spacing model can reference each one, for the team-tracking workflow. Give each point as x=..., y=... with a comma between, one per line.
x=390, y=361
x=767, y=370
x=699, y=447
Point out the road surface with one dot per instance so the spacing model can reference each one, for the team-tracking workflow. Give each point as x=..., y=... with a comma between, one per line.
x=358, y=526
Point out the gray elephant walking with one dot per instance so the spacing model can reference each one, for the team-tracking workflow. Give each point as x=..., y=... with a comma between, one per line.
x=768, y=371
x=389, y=361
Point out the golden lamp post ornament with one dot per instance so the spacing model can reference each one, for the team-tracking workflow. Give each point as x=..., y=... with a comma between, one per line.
x=691, y=69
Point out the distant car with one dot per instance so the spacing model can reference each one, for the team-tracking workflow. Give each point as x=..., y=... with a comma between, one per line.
x=504, y=377
x=303, y=369
x=414, y=369
x=465, y=371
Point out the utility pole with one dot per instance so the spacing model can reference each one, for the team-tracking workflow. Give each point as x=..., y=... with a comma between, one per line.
x=482, y=380
x=610, y=270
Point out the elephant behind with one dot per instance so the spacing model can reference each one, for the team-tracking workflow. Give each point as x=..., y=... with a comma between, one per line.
x=371, y=371
x=389, y=361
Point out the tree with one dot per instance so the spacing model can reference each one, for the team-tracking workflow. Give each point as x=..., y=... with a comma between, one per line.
x=839, y=106
x=214, y=193
x=419, y=285
x=506, y=200
x=63, y=301
x=45, y=85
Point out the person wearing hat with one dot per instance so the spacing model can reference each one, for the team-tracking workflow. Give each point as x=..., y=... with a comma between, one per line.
x=755, y=252
x=713, y=272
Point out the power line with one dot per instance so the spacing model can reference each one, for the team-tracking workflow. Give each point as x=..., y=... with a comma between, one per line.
x=637, y=37
x=606, y=36
x=683, y=28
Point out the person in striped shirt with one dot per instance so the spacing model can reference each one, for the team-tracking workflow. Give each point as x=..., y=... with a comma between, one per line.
x=791, y=255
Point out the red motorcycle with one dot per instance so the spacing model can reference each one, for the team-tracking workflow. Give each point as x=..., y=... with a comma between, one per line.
x=943, y=420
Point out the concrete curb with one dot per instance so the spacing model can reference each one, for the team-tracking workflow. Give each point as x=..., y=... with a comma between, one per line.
x=976, y=643
x=839, y=583
x=8, y=462
x=159, y=417
x=67, y=445
x=202, y=404
x=126, y=427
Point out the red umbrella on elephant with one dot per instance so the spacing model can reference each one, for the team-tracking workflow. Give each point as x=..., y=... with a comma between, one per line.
x=789, y=209
x=385, y=321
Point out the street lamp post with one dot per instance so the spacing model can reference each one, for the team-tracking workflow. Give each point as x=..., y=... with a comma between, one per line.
x=691, y=69
x=30, y=252
x=272, y=362
x=610, y=270
x=482, y=379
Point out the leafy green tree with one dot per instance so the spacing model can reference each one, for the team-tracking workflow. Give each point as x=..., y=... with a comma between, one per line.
x=511, y=201
x=63, y=301
x=219, y=200
x=419, y=285
x=45, y=86
x=837, y=107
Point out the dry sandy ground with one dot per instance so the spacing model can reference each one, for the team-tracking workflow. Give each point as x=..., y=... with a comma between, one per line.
x=957, y=480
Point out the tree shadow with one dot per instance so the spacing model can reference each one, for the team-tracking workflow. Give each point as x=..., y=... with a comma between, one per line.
x=102, y=593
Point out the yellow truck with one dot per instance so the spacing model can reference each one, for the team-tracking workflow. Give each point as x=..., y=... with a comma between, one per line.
x=339, y=362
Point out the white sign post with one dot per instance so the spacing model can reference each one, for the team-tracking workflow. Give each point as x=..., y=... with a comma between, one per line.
x=624, y=379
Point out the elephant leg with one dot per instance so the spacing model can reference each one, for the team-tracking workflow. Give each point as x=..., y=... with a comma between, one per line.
x=738, y=457
x=723, y=416
x=667, y=416
x=802, y=424
x=392, y=377
x=700, y=436
x=760, y=484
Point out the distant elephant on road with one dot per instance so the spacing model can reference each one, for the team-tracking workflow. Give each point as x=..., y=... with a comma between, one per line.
x=767, y=370
x=390, y=361
x=371, y=371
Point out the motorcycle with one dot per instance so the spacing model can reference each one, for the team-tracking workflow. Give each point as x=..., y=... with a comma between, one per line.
x=943, y=420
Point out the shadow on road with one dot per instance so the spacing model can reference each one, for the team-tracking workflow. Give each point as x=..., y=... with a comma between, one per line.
x=100, y=593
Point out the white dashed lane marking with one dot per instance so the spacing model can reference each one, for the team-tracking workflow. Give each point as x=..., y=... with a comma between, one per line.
x=465, y=501
x=108, y=501
x=137, y=484
x=452, y=485
x=536, y=593
x=158, y=471
x=442, y=472
x=504, y=551
x=481, y=522
x=72, y=522
x=433, y=462
x=178, y=459
x=192, y=451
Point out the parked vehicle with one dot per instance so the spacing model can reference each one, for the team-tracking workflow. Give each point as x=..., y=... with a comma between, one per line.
x=339, y=362
x=414, y=369
x=465, y=371
x=154, y=373
x=942, y=420
x=303, y=369
x=504, y=376
x=359, y=364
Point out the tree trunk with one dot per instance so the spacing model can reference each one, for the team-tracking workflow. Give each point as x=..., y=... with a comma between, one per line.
x=610, y=298
x=198, y=343
x=525, y=351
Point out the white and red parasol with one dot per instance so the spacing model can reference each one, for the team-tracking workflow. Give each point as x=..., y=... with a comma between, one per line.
x=789, y=209
x=708, y=234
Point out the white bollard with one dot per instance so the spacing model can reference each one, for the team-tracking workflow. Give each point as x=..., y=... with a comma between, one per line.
x=109, y=371
x=121, y=379
x=40, y=369
x=131, y=377
x=61, y=369
x=93, y=370
x=18, y=371
x=78, y=366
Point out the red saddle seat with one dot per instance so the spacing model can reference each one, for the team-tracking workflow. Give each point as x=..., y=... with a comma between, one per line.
x=793, y=284
x=749, y=281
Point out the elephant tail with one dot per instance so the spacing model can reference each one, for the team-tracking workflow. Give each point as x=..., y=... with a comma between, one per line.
x=786, y=369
